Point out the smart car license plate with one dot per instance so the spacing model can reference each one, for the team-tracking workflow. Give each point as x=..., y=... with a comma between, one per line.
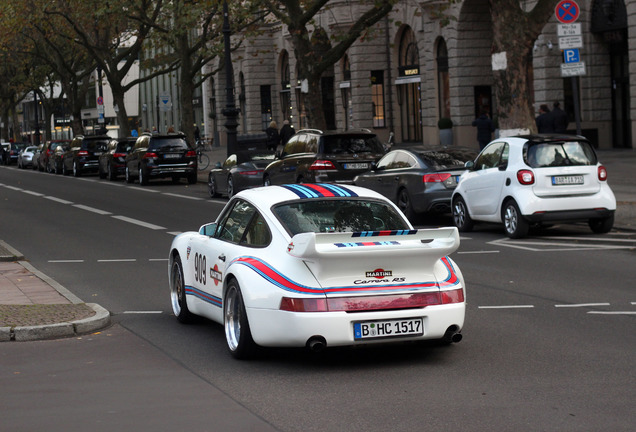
x=567, y=180
x=357, y=165
x=385, y=329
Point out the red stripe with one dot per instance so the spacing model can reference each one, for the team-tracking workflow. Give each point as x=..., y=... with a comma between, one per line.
x=321, y=190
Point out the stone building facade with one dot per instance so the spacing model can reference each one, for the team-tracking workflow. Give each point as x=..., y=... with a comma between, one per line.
x=410, y=72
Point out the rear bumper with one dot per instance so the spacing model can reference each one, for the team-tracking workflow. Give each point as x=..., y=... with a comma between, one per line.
x=275, y=328
x=569, y=215
x=169, y=171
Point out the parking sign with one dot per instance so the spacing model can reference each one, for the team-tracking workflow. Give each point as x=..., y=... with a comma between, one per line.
x=571, y=56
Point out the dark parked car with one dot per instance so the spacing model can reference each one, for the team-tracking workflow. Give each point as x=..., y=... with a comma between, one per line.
x=161, y=156
x=313, y=156
x=242, y=170
x=112, y=162
x=83, y=156
x=12, y=152
x=55, y=160
x=418, y=179
x=48, y=150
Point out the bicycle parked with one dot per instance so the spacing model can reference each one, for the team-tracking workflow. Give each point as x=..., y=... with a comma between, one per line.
x=202, y=158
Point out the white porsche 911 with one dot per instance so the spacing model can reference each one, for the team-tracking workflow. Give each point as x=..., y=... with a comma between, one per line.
x=317, y=265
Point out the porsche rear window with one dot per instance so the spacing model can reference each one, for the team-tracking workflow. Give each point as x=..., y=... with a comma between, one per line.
x=568, y=153
x=338, y=215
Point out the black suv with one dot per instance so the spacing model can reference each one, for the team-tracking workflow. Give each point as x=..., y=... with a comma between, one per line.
x=313, y=156
x=161, y=156
x=83, y=155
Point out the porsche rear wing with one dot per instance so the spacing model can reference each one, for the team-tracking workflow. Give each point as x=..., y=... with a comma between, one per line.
x=337, y=258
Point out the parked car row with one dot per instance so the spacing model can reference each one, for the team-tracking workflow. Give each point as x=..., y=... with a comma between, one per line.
x=144, y=157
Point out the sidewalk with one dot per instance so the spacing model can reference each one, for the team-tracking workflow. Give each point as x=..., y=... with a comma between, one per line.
x=34, y=306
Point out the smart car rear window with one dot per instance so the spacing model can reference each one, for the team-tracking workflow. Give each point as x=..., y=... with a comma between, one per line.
x=556, y=154
x=338, y=215
x=352, y=144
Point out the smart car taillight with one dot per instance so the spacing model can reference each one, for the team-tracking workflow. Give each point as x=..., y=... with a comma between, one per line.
x=322, y=165
x=602, y=173
x=435, y=177
x=525, y=177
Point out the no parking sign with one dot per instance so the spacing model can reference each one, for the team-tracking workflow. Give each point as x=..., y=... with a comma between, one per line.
x=567, y=11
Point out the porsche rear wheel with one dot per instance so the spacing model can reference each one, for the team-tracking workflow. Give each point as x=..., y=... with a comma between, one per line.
x=177, y=293
x=237, y=329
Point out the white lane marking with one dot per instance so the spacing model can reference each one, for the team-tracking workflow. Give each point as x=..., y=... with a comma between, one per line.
x=116, y=260
x=143, y=189
x=140, y=223
x=157, y=259
x=612, y=312
x=580, y=305
x=92, y=209
x=217, y=201
x=600, y=239
x=174, y=233
x=182, y=196
x=507, y=307
x=478, y=252
x=66, y=261
x=544, y=246
x=33, y=193
x=60, y=200
x=13, y=188
x=143, y=312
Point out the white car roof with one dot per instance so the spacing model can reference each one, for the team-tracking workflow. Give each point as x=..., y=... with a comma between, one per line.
x=268, y=196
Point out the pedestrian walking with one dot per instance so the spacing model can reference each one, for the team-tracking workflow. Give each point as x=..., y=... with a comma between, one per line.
x=273, y=138
x=485, y=128
x=545, y=123
x=286, y=132
x=559, y=118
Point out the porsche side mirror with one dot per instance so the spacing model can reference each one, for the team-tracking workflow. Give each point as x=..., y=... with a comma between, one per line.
x=208, y=229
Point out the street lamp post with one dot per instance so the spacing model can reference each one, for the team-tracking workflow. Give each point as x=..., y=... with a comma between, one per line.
x=230, y=112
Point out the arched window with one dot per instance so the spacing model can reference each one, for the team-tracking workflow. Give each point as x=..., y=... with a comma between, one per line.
x=408, y=83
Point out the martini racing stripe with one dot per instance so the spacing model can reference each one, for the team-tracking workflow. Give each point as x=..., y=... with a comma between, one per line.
x=380, y=243
x=319, y=190
x=383, y=233
x=276, y=278
x=213, y=300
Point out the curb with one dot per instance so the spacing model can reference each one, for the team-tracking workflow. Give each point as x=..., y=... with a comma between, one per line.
x=100, y=320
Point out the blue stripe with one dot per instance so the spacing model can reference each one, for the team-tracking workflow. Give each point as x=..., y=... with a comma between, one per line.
x=201, y=295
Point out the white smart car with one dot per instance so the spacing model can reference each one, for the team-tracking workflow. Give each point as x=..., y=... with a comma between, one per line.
x=536, y=179
x=317, y=265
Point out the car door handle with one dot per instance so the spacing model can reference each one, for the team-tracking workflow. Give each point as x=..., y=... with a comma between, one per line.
x=222, y=257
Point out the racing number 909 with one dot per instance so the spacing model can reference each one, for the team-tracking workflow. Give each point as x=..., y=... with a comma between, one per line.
x=200, y=264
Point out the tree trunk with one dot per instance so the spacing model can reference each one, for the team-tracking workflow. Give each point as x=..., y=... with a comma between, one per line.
x=514, y=34
x=186, y=77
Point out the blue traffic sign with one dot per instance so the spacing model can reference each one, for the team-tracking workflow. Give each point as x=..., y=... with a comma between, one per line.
x=571, y=56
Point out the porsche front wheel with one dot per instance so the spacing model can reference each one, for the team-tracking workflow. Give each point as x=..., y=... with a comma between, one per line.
x=177, y=293
x=237, y=329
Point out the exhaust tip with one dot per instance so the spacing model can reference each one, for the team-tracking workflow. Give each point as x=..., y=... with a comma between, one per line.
x=452, y=334
x=316, y=343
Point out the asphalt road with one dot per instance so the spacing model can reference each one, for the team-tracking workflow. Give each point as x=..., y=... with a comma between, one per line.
x=549, y=340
